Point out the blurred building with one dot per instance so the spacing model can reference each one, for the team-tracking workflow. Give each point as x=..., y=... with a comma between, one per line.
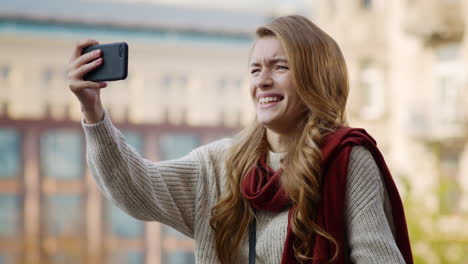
x=408, y=66
x=186, y=87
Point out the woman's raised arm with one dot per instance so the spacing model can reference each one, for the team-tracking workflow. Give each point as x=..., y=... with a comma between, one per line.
x=151, y=191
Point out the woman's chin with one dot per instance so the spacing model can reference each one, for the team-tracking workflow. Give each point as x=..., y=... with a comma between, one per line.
x=270, y=123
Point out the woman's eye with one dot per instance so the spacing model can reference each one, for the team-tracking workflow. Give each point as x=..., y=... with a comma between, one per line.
x=279, y=67
x=254, y=71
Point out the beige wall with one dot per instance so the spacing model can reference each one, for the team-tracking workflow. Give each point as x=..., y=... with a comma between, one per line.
x=203, y=65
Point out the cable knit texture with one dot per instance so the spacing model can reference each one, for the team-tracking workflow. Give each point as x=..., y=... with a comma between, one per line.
x=180, y=193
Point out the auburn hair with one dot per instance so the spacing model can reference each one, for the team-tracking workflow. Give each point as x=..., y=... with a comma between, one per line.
x=319, y=76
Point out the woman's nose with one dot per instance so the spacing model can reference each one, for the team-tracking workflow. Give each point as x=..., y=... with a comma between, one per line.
x=264, y=80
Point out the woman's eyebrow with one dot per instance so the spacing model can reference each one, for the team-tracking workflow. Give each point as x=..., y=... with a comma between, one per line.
x=276, y=60
x=270, y=62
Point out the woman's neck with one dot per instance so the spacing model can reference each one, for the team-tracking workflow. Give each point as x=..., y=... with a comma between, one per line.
x=278, y=142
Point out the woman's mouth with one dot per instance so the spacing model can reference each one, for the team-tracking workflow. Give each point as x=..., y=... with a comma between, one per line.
x=269, y=100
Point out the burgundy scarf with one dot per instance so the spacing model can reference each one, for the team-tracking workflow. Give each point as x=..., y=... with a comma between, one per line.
x=261, y=187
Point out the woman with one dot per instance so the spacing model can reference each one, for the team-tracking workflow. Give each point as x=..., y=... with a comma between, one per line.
x=298, y=186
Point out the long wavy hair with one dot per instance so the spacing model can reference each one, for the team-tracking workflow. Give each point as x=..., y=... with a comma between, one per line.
x=320, y=78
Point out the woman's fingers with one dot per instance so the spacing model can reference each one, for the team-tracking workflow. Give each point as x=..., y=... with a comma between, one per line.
x=80, y=45
x=83, y=59
x=76, y=86
x=79, y=65
x=78, y=73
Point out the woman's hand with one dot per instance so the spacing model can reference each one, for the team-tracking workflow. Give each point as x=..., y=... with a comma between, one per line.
x=87, y=92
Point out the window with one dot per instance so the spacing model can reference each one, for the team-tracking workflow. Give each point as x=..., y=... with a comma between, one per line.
x=63, y=215
x=183, y=81
x=4, y=72
x=166, y=83
x=173, y=83
x=372, y=91
x=62, y=207
x=366, y=86
x=10, y=220
x=10, y=153
x=228, y=85
x=66, y=256
x=222, y=85
x=127, y=257
x=47, y=75
x=171, y=232
x=180, y=258
x=448, y=93
x=134, y=139
x=238, y=84
x=366, y=3
x=122, y=225
x=177, y=145
x=5, y=85
x=11, y=202
x=7, y=258
x=62, y=155
x=449, y=74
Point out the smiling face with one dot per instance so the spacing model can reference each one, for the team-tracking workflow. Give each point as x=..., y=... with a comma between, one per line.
x=277, y=105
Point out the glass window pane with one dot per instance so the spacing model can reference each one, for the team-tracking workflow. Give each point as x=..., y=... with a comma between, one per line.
x=9, y=215
x=47, y=75
x=132, y=257
x=10, y=153
x=123, y=225
x=169, y=231
x=63, y=215
x=65, y=257
x=134, y=139
x=366, y=3
x=7, y=258
x=180, y=258
x=62, y=154
x=4, y=73
x=177, y=145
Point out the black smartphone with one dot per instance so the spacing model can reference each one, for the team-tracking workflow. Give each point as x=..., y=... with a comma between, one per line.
x=115, y=62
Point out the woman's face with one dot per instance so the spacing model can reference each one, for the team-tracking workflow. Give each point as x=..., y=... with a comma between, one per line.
x=277, y=105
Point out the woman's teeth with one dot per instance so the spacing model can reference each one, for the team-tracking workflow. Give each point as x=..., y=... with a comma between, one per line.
x=266, y=100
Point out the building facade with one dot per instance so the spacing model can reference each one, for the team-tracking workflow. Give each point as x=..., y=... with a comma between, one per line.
x=186, y=86
x=407, y=62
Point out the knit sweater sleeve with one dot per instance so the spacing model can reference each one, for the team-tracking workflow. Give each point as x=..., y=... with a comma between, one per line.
x=151, y=191
x=368, y=212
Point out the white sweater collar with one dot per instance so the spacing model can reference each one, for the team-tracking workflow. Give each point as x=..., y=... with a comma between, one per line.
x=274, y=159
